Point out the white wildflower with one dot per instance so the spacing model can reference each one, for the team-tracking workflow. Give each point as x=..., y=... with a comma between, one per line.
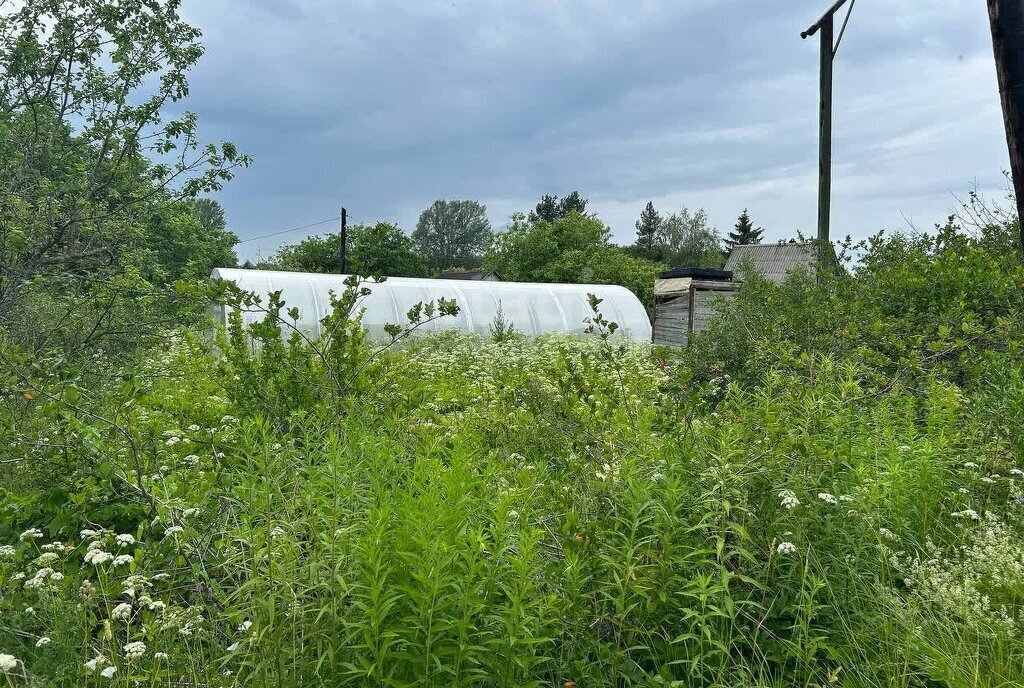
x=886, y=533
x=172, y=531
x=171, y=441
x=108, y=671
x=88, y=533
x=121, y=612
x=277, y=531
x=245, y=626
x=970, y=464
x=7, y=550
x=122, y=559
x=232, y=647
x=43, y=641
x=31, y=534
x=8, y=663
x=47, y=558
x=95, y=662
x=159, y=655
x=135, y=649
x=30, y=611
x=1017, y=473
x=39, y=579
x=987, y=480
x=157, y=606
x=789, y=499
x=845, y=498
x=827, y=498
x=125, y=539
x=966, y=513
x=19, y=575
x=786, y=548
x=191, y=460
x=55, y=547
x=192, y=428
x=97, y=557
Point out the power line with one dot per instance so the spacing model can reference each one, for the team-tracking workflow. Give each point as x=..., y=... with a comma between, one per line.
x=286, y=231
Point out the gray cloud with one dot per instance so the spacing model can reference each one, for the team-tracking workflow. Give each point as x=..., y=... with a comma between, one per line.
x=384, y=105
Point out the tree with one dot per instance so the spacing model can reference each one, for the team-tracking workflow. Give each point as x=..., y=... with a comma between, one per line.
x=687, y=239
x=647, y=229
x=378, y=249
x=551, y=208
x=82, y=100
x=572, y=249
x=744, y=232
x=384, y=249
x=452, y=233
x=210, y=213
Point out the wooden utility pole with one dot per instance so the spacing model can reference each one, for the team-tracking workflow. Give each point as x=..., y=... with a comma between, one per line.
x=1007, y=20
x=829, y=47
x=344, y=241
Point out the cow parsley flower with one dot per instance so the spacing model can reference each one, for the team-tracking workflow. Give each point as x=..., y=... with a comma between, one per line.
x=135, y=649
x=966, y=513
x=277, y=531
x=97, y=557
x=789, y=499
x=122, y=559
x=786, y=548
x=159, y=655
x=39, y=579
x=88, y=533
x=157, y=606
x=8, y=663
x=172, y=531
x=31, y=534
x=827, y=498
x=125, y=539
x=970, y=464
x=1017, y=473
x=47, y=558
x=7, y=550
x=121, y=612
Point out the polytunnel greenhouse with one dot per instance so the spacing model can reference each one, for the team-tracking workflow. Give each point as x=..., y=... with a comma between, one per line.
x=532, y=308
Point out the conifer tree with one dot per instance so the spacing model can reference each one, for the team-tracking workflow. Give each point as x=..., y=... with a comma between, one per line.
x=744, y=232
x=647, y=228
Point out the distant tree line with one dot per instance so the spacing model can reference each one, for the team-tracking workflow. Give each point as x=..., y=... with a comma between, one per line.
x=556, y=241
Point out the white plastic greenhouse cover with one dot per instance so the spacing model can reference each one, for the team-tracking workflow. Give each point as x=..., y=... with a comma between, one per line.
x=532, y=308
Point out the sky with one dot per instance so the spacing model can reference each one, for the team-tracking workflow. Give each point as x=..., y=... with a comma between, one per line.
x=383, y=106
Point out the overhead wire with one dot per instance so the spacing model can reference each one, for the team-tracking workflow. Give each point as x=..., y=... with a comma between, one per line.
x=293, y=229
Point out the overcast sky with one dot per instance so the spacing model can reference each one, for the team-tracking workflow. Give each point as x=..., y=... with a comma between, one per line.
x=385, y=105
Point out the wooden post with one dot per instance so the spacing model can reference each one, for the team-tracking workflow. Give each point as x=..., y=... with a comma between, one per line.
x=825, y=132
x=828, y=53
x=344, y=241
x=1006, y=18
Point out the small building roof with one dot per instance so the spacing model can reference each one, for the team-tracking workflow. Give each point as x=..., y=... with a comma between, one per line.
x=773, y=261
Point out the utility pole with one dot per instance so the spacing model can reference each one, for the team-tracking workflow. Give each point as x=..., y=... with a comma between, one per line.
x=1007, y=21
x=829, y=47
x=344, y=241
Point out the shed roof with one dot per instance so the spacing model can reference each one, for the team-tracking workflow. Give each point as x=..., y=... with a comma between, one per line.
x=773, y=261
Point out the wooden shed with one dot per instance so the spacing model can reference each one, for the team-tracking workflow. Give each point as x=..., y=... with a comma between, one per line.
x=684, y=302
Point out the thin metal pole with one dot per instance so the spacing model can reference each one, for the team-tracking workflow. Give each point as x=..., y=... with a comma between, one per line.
x=344, y=241
x=825, y=132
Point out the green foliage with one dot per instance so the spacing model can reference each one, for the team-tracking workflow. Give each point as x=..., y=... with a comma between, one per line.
x=380, y=249
x=551, y=208
x=744, y=232
x=573, y=249
x=451, y=233
x=648, y=229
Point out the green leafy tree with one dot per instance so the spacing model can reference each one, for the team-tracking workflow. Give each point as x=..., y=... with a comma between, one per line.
x=83, y=100
x=647, y=229
x=452, y=233
x=384, y=249
x=551, y=208
x=744, y=232
x=572, y=249
x=210, y=213
x=379, y=249
x=687, y=239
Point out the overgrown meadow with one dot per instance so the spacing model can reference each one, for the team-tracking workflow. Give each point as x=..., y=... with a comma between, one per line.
x=825, y=489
